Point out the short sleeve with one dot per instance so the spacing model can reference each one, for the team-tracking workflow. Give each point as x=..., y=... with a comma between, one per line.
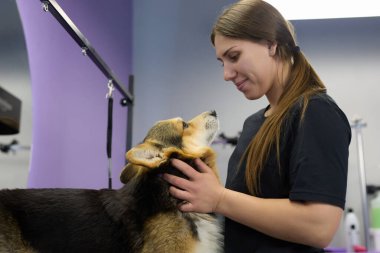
x=319, y=158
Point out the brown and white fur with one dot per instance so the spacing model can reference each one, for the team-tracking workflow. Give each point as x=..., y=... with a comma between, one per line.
x=140, y=217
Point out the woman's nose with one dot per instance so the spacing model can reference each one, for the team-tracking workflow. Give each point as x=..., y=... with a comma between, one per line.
x=229, y=73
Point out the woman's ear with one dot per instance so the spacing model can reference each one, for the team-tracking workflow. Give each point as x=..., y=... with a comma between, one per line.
x=272, y=47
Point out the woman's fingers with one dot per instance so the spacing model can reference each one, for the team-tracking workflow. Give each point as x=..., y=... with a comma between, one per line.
x=177, y=181
x=201, y=192
x=202, y=166
x=186, y=207
x=179, y=193
x=186, y=169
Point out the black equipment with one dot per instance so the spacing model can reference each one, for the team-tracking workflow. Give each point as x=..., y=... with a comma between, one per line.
x=10, y=112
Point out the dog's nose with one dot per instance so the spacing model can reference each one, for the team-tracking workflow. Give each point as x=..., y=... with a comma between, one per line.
x=213, y=113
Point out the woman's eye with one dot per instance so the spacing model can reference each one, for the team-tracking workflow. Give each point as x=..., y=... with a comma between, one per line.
x=234, y=57
x=185, y=125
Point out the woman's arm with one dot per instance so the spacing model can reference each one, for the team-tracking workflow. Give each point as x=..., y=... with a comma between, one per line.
x=312, y=224
x=308, y=223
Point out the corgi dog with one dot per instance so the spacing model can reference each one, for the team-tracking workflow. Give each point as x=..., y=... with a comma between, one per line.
x=140, y=217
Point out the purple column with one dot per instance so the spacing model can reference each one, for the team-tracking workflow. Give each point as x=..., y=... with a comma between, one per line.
x=69, y=104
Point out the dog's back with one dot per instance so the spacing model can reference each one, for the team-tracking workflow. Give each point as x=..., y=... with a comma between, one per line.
x=61, y=220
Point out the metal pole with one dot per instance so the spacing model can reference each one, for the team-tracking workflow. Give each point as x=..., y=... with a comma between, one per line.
x=131, y=87
x=358, y=125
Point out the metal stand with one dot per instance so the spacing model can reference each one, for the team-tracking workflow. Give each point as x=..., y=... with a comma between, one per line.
x=87, y=50
x=357, y=125
x=124, y=102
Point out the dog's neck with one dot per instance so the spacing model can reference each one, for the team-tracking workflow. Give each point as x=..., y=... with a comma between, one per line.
x=168, y=168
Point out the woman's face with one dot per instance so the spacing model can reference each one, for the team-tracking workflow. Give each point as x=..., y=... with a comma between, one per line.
x=251, y=66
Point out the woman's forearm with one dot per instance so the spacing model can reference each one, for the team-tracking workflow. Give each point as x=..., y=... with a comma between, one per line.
x=312, y=224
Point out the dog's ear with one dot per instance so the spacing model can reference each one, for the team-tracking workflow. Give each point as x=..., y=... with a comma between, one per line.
x=147, y=155
x=151, y=156
x=130, y=171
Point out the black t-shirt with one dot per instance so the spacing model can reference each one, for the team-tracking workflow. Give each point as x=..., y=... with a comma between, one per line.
x=314, y=162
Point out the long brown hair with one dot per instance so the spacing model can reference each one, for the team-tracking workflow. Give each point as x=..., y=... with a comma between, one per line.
x=256, y=20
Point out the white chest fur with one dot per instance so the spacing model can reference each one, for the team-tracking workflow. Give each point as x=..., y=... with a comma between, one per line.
x=209, y=234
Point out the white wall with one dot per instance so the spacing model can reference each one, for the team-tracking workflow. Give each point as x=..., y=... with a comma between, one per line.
x=176, y=74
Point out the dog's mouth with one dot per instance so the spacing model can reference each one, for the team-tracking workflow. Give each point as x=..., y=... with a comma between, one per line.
x=202, y=131
x=212, y=125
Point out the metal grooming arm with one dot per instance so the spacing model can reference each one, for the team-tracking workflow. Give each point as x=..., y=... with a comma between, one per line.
x=87, y=50
x=53, y=7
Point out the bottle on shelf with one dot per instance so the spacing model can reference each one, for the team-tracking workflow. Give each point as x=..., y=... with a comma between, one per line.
x=352, y=230
x=375, y=221
x=375, y=211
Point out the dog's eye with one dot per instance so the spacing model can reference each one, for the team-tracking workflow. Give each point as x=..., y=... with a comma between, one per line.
x=185, y=125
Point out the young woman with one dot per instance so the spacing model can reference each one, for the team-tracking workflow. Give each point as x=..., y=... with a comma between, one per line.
x=286, y=182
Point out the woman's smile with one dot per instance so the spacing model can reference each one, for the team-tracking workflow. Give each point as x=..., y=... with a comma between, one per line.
x=241, y=84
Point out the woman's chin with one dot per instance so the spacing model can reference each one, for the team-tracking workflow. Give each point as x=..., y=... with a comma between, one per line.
x=252, y=96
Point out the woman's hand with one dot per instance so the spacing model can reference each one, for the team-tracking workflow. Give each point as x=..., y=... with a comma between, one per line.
x=202, y=192
x=300, y=222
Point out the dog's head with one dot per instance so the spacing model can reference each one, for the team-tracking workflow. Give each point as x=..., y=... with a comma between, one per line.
x=173, y=138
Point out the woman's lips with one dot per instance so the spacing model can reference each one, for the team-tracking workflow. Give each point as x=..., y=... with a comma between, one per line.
x=240, y=85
